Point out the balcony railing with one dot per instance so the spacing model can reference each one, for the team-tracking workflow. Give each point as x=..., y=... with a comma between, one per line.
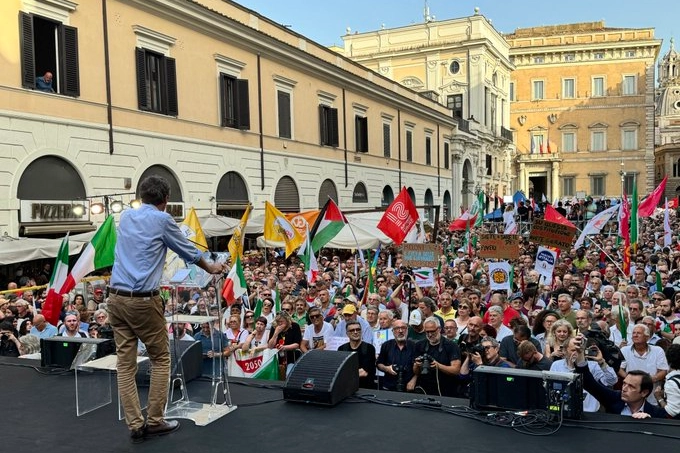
x=463, y=125
x=506, y=133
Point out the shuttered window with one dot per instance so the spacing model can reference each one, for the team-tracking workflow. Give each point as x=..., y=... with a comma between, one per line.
x=234, y=102
x=327, y=191
x=409, y=146
x=387, y=139
x=285, y=130
x=156, y=82
x=287, y=197
x=446, y=156
x=328, y=126
x=361, y=131
x=58, y=54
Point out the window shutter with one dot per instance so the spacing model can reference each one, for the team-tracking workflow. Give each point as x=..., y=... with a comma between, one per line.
x=387, y=150
x=142, y=101
x=171, y=86
x=332, y=126
x=223, y=100
x=323, y=125
x=284, y=114
x=28, y=74
x=70, y=70
x=243, y=104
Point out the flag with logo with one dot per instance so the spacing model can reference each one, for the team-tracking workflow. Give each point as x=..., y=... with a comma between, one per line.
x=309, y=260
x=649, y=204
x=401, y=215
x=499, y=275
x=595, y=225
x=262, y=364
x=52, y=306
x=235, y=284
x=277, y=228
x=236, y=242
x=191, y=229
x=328, y=224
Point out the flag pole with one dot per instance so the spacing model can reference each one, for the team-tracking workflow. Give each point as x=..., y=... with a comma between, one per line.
x=603, y=251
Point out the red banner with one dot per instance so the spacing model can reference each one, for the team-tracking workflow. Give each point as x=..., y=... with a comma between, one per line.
x=399, y=218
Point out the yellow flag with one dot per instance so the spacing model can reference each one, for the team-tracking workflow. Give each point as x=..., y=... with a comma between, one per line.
x=278, y=229
x=236, y=243
x=191, y=227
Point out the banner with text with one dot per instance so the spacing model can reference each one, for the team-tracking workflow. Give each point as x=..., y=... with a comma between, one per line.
x=263, y=364
x=545, y=263
x=420, y=255
x=552, y=234
x=501, y=246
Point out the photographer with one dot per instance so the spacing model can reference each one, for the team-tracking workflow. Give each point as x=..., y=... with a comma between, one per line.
x=396, y=360
x=438, y=361
x=485, y=353
x=9, y=344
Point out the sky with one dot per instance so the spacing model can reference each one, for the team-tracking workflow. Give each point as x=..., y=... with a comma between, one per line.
x=325, y=21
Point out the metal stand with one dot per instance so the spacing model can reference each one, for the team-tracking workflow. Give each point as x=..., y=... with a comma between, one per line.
x=181, y=406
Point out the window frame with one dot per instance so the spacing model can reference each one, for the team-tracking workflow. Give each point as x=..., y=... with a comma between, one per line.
x=565, y=81
x=168, y=104
x=604, y=86
x=595, y=181
x=534, y=83
x=568, y=182
x=566, y=148
x=234, y=98
x=328, y=126
x=625, y=89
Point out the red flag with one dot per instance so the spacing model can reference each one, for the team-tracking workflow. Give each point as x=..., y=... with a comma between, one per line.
x=399, y=218
x=673, y=204
x=647, y=206
x=460, y=223
x=551, y=215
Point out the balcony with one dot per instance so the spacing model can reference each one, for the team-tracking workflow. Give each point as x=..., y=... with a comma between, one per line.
x=506, y=134
x=463, y=125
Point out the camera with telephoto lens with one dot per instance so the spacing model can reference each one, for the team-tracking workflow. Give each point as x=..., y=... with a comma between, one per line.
x=426, y=364
x=478, y=349
x=400, y=387
x=4, y=337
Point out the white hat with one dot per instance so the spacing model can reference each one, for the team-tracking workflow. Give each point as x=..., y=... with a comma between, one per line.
x=416, y=318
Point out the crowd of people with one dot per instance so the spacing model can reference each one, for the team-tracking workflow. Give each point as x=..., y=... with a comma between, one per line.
x=621, y=332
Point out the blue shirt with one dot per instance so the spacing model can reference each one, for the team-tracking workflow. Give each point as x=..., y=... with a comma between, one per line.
x=42, y=85
x=48, y=332
x=144, y=236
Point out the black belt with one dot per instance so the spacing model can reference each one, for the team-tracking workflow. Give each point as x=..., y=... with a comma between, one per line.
x=122, y=292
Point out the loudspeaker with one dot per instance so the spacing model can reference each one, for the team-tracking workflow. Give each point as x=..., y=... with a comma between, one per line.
x=323, y=377
x=191, y=356
x=495, y=388
x=61, y=351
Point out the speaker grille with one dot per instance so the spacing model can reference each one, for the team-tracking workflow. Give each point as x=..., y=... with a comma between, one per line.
x=323, y=377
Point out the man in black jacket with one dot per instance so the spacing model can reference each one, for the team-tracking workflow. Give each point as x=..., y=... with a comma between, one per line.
x=631, y=400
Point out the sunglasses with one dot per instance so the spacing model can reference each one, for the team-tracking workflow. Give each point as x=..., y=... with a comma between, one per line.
x=314, y=316
x=249, y=316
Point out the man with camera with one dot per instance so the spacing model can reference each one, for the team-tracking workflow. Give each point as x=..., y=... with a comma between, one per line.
x=484, y=353
x=9, y=344
x=438, y=361
x=396, y=360
x=631, y=400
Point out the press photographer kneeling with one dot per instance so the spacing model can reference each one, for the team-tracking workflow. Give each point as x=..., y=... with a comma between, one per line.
x=437, y=364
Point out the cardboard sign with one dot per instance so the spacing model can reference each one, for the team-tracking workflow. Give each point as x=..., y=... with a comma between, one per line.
x=498, y=246
x=552, y=234
x=420, y=255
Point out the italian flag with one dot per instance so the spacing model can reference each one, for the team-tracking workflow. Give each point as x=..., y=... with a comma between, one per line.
x=235, y=285
x=98, y=254
x=52, y=305
x=329, y=223
x=309, y=260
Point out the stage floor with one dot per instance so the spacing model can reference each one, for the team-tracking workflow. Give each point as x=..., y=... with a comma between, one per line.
x=40, y=415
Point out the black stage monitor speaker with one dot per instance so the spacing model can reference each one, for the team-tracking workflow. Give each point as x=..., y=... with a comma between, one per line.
x=495, y=388
x=191, y=355
x=61, y=351
x=323, y=377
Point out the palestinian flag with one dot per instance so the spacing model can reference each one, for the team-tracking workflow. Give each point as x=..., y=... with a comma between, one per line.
x=309, y=260
x=235, y=284
x=329, y=223
x=52, y=306
x=98, y=254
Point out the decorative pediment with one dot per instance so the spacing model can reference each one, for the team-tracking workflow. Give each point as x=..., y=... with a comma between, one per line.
x=412, y=82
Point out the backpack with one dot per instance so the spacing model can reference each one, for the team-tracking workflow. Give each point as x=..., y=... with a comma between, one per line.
x=610, y=352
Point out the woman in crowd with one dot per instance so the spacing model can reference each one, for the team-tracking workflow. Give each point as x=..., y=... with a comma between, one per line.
x=101, y=317
x=25, y=327
x=542, y=323
x=558, y=338
x=236, y=336
x=249, y=321
x=462, y=316
x=268, y=310
x=258, y=339
x=286, y=336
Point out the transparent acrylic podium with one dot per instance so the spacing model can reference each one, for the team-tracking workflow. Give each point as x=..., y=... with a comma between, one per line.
x=179, y=403
x=93, y=384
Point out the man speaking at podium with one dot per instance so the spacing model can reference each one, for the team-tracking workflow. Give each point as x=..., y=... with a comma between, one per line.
x=136, y=308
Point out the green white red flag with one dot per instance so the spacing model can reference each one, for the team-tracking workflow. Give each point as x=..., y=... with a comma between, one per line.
x=309, y=260
x=52, y=306
x=235, y=284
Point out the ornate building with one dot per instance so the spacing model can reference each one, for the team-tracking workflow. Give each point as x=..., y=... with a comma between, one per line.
x=464, y=65
x=231, y=107
x=667, y=140
x=582, y=108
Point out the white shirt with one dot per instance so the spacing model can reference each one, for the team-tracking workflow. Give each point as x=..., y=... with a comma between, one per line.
x=606, y=376
x=503, y=332
x=315, y=338
x=652, y=361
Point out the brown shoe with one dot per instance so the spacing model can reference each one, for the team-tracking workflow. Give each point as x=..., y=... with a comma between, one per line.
x=166, y=427
x=137, y=435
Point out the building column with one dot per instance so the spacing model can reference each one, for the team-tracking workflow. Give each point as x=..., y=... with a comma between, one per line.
x=523, y=180
x=555, y=183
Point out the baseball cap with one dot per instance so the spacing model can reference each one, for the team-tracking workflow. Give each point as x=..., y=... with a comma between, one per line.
x=98, y=291
x=349, y=309
x=351, y=298
x=416, y=318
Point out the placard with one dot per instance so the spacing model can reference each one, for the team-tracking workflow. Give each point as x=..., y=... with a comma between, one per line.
x=420, y=255
x=498, y=246
x=552, y=234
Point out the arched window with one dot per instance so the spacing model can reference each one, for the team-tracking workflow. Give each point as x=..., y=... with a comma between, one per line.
x=286, y=196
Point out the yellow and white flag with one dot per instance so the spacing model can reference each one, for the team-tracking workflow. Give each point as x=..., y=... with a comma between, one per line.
x=236, y=243
x=277, y=228
x=191, y=228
